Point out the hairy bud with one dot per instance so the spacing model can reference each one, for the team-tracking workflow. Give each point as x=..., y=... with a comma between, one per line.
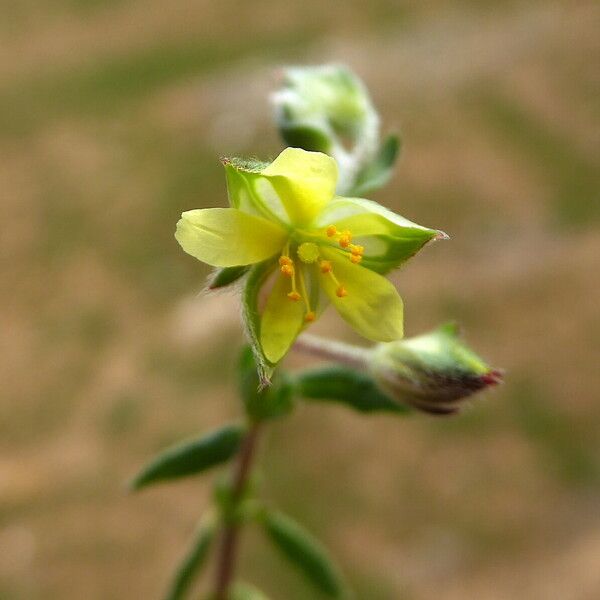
x=328, y=109
x=434, y=372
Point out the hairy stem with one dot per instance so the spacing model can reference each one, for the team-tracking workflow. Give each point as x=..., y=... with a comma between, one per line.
x=231, y=532
x=353, y=356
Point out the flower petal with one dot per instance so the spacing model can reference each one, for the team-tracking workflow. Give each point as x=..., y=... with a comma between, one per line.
x=227, y=237
x=281, y=321
x=388, y=238
x=372, y=305
x=305, y=182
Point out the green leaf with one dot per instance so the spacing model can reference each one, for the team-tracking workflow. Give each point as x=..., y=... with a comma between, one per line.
x=251, y=316
x=263, y=402
x=306, y=137
x=191, y=457
x=226, y=276
x=245, y=591
x=194, y=560
x=305, y=552
x=353, y=388
x=378, y=172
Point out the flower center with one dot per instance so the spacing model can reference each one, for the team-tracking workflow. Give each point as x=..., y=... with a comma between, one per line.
x=308, y=252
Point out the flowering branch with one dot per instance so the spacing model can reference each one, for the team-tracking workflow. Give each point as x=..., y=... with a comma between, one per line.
x=295, y=244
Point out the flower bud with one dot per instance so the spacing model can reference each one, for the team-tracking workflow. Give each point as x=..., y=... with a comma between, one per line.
x=328, y=109
x=434, y=372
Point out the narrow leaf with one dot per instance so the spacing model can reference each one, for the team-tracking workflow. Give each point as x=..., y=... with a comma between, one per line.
x=355, y=389
x=244, y=591
x=377, y=173
x=305, y=552
x=191, y=457
x=194, y=560
x=226, y=276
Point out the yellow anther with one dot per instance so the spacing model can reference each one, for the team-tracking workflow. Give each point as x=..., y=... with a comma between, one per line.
x=345, y=239
x=287, y=270
x=355, y=258
x=326, y=266
x=285, y=260
x=341, y=292
x=331, y=231
x=357, y=249
x=309, y=317
x=295, y=296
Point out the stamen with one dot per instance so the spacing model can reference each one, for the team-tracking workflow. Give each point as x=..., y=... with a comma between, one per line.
x=355, y=258
x=359, y=250
x=345, y=239
x=287, y=270
x=326, y=266
x=327, y=269
x=331, y=231
x=305, y=297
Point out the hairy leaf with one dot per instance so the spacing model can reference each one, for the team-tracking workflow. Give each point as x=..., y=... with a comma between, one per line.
x=304, y=552
x=245, y=591
x=191, y=457
x=377, y=173
x=353, y=388
x=194, y=560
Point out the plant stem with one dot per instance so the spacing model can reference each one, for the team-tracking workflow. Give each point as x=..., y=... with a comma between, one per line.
x=230, y=536
x=353, y=356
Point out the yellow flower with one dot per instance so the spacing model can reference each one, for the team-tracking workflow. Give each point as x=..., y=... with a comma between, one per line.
x=307, y=246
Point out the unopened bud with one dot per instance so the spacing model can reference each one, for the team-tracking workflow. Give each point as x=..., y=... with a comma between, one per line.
x=434, y=372
x=328, y=109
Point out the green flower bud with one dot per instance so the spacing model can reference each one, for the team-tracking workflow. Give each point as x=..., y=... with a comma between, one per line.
x=434, y=372
x=328, y=109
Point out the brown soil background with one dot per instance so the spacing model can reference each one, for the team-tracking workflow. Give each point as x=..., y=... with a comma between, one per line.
x=112, y=116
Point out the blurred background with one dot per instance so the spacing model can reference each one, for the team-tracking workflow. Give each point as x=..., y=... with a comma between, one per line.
x=113, y=114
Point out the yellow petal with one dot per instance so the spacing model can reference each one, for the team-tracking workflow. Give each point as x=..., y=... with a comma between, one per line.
x=281, y=321
x=388, y=238
x=227, y=237
x=372, y=305
x=305, y=182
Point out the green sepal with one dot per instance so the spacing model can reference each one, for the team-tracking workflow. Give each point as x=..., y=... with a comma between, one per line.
x=226, y=276
x=194, y=560
x=378, y=172
x=251, y=317
x=263, y=402
x=306, y=137
x=304, y=552
x=354, y=389
x=191, y=456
